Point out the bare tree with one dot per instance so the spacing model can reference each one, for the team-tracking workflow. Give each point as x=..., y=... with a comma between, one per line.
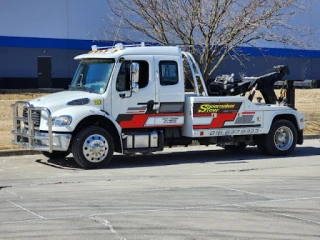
x=214, y=28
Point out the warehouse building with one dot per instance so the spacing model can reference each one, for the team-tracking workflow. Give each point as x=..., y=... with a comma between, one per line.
x=40, y=38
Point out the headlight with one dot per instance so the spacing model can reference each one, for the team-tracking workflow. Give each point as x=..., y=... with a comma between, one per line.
x=61, y=120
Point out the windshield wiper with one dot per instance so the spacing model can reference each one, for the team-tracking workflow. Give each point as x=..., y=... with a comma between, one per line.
x=86, y=88
x=80, y=88
x=79, y=84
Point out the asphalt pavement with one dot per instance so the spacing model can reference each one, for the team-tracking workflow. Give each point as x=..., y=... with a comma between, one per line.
x=182, y=193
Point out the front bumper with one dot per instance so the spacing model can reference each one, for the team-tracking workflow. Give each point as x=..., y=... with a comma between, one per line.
x=28, y=136
x=41, y=141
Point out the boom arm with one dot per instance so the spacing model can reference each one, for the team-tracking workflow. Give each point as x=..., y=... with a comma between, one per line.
x=265, y=83
x=226, y=85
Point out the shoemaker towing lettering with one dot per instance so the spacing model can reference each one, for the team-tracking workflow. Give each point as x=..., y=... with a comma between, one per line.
x=132, y=99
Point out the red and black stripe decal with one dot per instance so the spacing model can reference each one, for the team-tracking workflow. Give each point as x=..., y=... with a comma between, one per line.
x=224, y=112
x=219, y=121
x=137, y=116
x=139, y=120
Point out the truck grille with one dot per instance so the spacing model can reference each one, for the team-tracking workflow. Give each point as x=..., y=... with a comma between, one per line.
x=36, y=116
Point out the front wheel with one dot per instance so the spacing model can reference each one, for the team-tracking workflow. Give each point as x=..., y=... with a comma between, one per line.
x=93, y=147
x=282, y=138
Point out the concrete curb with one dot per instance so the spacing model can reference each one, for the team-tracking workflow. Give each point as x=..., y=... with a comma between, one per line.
x=17, y=152
x=21, y=152
x=308, y=137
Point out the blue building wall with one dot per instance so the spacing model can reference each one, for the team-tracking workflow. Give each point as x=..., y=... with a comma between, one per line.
x=63, y=29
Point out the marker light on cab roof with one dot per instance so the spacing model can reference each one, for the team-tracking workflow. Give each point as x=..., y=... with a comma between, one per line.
x=119, y=46
x=94, y=48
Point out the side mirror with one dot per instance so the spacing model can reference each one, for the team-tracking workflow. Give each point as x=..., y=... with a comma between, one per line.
x=135, y=76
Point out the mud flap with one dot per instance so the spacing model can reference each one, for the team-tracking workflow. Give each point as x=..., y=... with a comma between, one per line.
x=300, y=137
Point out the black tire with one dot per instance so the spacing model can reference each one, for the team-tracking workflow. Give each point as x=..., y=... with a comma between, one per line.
x=93, y=147
x=55, y=154
x=238, y=147
x=281, y=139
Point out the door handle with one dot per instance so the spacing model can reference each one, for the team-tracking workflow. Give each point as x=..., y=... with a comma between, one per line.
x=122, y=95
x=150, y=105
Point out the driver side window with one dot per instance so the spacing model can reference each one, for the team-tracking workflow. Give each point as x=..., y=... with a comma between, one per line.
x=123, y=79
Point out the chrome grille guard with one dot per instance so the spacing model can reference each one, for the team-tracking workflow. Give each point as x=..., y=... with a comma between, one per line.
x=30, y=133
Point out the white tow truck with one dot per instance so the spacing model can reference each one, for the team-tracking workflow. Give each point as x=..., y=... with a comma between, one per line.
x=132, y=99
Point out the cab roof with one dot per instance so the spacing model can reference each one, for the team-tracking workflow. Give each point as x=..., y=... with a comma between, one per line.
x=120, y=50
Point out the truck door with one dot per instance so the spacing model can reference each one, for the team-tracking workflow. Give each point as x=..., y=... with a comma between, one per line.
x=169, y=108
x=133, y=109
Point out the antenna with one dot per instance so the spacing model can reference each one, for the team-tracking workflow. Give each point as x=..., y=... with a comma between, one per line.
x=115, y=37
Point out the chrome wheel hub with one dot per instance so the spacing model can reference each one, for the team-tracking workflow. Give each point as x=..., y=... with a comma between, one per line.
x=95, y=148
x=283, y=138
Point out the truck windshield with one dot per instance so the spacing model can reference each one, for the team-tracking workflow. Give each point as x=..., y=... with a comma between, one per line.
x=92, y=75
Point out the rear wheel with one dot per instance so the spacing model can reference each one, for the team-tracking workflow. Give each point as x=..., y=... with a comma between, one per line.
x=55, y=154
x=93, y=147
x=282, y=138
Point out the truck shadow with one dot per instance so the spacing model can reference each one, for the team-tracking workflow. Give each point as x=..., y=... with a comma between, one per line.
x=202, y=156
x=188, y=157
